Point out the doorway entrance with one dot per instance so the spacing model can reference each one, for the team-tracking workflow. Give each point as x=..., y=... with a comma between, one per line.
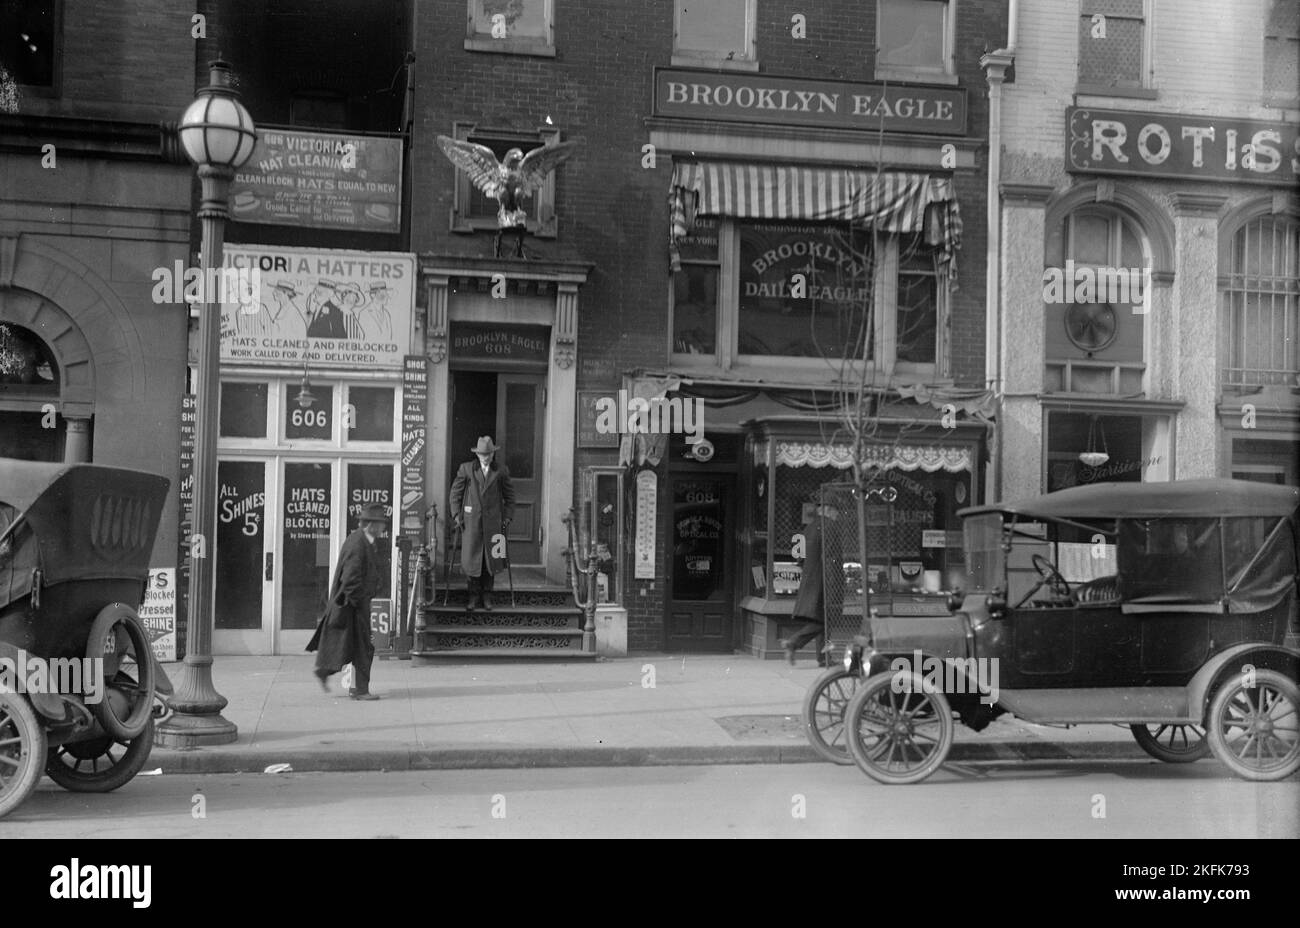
x=509, y=407
x=701, y=604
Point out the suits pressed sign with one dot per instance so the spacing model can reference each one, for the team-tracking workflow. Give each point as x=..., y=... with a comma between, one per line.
x=1193, y=147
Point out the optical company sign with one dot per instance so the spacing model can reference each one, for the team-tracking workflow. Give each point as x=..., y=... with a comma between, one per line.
x=796, y=101
x=328, y=308
x=321, y=180
x=1193, y=147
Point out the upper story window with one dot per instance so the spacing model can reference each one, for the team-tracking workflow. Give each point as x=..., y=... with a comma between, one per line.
x=719, y=33
x=1094, y=293
x=319, y=110
x=1282, y=54
x=521, y=27
x=914, y=40
x=749, y=293
x=1114, y=47
x=29, y=42
x=1260, y=299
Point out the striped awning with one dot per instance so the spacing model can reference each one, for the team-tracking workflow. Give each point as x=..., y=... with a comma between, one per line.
x=886, y=201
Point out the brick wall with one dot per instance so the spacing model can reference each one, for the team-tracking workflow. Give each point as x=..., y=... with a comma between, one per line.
x=613, y=212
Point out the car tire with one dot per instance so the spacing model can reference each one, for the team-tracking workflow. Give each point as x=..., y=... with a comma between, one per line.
x=824, y=707
x=22, y=751
x=883, y=734
x=64, y=762
x=110, y=618
x=1243, y=723
x=1173, y=744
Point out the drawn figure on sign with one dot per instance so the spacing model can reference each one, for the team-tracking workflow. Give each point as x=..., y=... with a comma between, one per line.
x=323, y=310
x=351, y=301
x=376, y=320
x=288, y=319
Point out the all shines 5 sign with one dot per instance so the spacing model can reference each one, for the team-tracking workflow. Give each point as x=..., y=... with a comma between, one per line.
x=328, y=308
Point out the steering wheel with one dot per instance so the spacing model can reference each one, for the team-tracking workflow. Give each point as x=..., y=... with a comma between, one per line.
x=1049, y=576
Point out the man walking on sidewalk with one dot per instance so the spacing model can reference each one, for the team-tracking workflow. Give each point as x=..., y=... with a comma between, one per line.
x=810, y=603
x=482, y=503
x=343, y=632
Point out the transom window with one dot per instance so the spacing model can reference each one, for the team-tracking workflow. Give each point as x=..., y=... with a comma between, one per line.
x=1260, y=300
x=914, y=38
x=1093, y=292
x=751, y=291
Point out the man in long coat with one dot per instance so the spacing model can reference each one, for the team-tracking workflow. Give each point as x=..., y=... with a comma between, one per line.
x=482, y=504
x=810, y=603
x=343, y=632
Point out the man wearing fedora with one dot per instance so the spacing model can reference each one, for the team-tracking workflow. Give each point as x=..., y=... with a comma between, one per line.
x=343, y=632
x=482, y=504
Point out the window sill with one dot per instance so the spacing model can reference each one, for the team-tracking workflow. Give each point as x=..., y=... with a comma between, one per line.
x=720, y=64
x=911, y=76
x=538, y=48
x=1282, y=101
x=1102, y=90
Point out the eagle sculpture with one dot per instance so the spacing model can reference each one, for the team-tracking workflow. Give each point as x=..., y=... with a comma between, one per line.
x=507, y=181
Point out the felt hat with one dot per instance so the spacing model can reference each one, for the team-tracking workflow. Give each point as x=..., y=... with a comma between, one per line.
x=485, y=446
x=373, y=513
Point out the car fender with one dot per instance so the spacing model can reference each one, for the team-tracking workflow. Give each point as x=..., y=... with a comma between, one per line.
x=50, y=706
x=1239, y=658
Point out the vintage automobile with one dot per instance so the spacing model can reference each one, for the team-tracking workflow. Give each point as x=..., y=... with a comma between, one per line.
x=1187, y=627
x=79, y=686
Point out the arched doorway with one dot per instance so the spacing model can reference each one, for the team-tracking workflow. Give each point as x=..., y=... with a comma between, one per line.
x=32, y=426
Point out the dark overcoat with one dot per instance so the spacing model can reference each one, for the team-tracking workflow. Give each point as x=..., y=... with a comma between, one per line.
x=343, y=631
x=809, y=603
x=485, y=504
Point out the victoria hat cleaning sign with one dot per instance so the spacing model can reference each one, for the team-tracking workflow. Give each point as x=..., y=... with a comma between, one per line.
x=324, y=308
x=321, y=180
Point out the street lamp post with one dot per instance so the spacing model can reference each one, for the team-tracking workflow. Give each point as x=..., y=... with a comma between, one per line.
x=218, y=136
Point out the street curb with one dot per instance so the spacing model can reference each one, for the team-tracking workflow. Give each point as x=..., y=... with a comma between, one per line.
x=216, y=760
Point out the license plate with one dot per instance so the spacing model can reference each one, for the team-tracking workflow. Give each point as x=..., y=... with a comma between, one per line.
x=110, y=643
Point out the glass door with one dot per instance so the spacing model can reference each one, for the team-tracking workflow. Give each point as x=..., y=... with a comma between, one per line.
x=244, y=557
x=519, y=425
x=306, y=546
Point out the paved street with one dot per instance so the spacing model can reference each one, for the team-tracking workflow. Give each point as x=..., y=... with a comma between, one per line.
x=1027, y=799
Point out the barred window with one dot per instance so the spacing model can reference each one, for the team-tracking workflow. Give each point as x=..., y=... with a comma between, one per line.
x=1260, y=299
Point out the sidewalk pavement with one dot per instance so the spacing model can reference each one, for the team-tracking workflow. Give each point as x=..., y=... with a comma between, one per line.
x=701, y=709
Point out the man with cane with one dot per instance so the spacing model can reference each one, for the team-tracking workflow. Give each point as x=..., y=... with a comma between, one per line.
x=482, y=505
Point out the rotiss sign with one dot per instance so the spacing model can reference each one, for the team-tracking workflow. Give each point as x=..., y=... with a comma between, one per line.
x=1192, y=147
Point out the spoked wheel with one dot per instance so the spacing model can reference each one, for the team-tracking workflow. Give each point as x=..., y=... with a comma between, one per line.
x=99, y=765
x=120, y=640
x=1173, y=744
x=1255, y=730
x=898, y=729
x=22, y=751
x=824, y=706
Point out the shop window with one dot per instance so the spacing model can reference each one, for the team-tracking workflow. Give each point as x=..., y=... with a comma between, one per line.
x=30, y=43
x=370, y=417
x=243, y=410
x=1086, y=447
x=1266, y=460
x=1113, y=46
x=1282, y=54
x=719, y=33
x=914, y=39
x=1260, y=302
x=805, y=294
x=1096, y=294
x=520, y=27
x=472, y=210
